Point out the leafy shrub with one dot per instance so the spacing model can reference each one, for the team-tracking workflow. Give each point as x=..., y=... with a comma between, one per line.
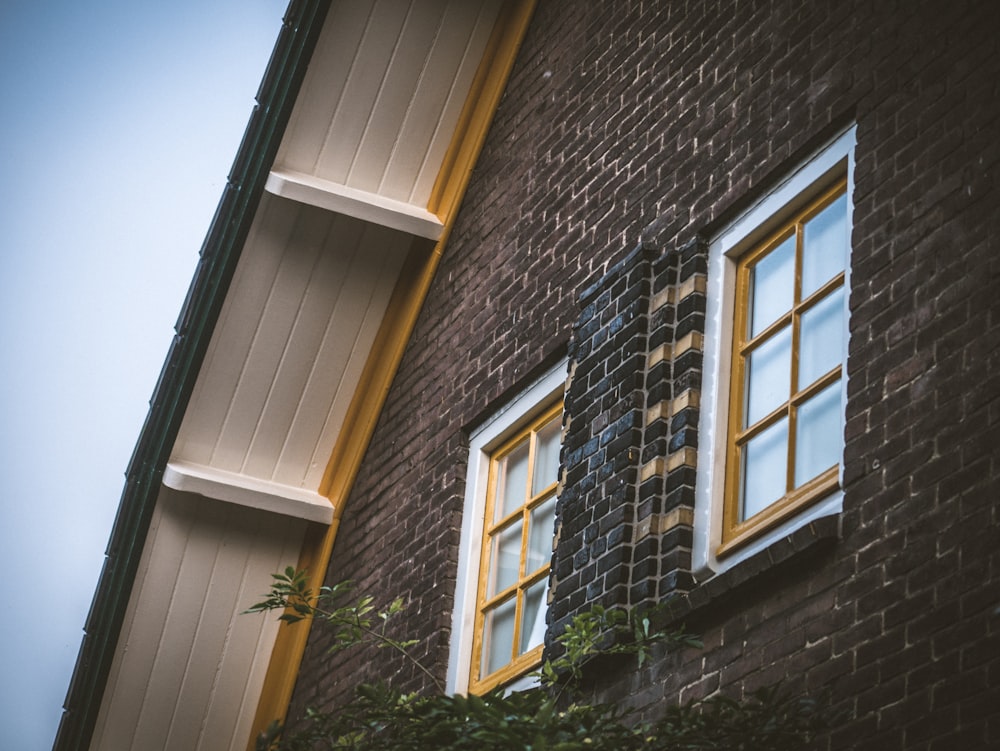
x=548, y=717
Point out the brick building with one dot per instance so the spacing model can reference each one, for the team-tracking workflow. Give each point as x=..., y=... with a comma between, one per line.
x=703, y=292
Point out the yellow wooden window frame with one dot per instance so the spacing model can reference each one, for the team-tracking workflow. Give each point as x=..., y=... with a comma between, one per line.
x=519, y=663
x=737, y=531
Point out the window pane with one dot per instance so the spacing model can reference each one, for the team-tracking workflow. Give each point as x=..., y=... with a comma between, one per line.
x=772, y=285
x=818, y=434
x=505, y=558
x=512, y=481
x=765, y=468
x=821, y=338
x=498, y=637
x=540, y=531
x=769, y=372
x=546, y=456
x=824, y=247
x=533, y=616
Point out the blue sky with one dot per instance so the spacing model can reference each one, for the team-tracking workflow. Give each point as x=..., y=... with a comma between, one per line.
x=118, y=123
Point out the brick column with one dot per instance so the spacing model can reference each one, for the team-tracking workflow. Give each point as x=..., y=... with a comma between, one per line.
x=670, y=454
x=604, y=407
x=626, y=501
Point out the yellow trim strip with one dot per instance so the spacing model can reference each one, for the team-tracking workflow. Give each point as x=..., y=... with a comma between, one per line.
x=393, y=335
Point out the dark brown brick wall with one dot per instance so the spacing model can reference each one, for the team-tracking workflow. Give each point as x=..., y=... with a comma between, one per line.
x=628, y=124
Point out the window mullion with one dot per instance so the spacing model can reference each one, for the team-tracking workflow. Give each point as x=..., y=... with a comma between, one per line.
x=818, y=385
x=515, y=642
x=793, y=381
x=762, y=424
x=525, y=516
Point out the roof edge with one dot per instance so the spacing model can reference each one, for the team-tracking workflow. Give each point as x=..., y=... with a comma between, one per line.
x=220, y=253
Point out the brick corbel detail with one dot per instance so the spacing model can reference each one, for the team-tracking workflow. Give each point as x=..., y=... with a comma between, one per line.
x=626, y=499
x=605, y=407
x=662, y=548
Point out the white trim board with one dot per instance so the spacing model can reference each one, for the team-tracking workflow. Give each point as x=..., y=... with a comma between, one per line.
x=248, y=491
x=360, y=204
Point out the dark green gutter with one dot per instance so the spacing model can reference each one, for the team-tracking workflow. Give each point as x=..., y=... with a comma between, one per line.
x=219, y=256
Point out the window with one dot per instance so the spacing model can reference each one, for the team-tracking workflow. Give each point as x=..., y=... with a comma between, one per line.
x=516, y=550
x=785, y=433
x=774, y=377
x=498, y=625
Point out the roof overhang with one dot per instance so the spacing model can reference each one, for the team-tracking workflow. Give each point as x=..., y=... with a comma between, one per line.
x=343, y=193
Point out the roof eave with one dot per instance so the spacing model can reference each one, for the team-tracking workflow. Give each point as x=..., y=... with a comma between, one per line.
x=220, y=253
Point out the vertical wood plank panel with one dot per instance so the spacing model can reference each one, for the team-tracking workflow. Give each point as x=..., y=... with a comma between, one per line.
x=233, y=337
x=190, y=665
x=423, y=134
x=322, y=296
x=398, y=95
x=423, y=176
x=339, y=361
x=143, y=626
x=234, y=540
x=186, y=602
x=280, y=313
x=349, y=121
x=321, y=94
x=389, y=85
x=239, y=688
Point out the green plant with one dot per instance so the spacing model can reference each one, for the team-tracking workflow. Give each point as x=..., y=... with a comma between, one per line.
x=350, y=623
x=601, y=631
x=548, y=717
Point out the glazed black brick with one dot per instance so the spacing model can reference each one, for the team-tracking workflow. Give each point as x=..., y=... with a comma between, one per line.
x=618, y=388
x=693, y=322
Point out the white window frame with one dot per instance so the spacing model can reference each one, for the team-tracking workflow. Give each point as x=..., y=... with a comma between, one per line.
x=725, y=248
x=483, y=441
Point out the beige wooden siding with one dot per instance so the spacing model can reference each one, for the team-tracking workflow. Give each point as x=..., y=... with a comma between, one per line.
x=189, y=666
x=305, y=305
x=384, y=92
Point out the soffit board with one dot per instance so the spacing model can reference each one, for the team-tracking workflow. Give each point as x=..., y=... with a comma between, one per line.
x=190, y=663
x=295, y=331
x=346, y=203
x=384, y=92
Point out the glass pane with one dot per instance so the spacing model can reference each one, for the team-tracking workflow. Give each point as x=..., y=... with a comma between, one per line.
x=512, y=481
x=818, y=434
x=772, y=285
x=541, y=528
x=505, y=558
x=824, y=249
x=765, y=468
x=769, y=373
x=498, y=637
x=533, y=616
x=821, y=338
x=546, y=456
